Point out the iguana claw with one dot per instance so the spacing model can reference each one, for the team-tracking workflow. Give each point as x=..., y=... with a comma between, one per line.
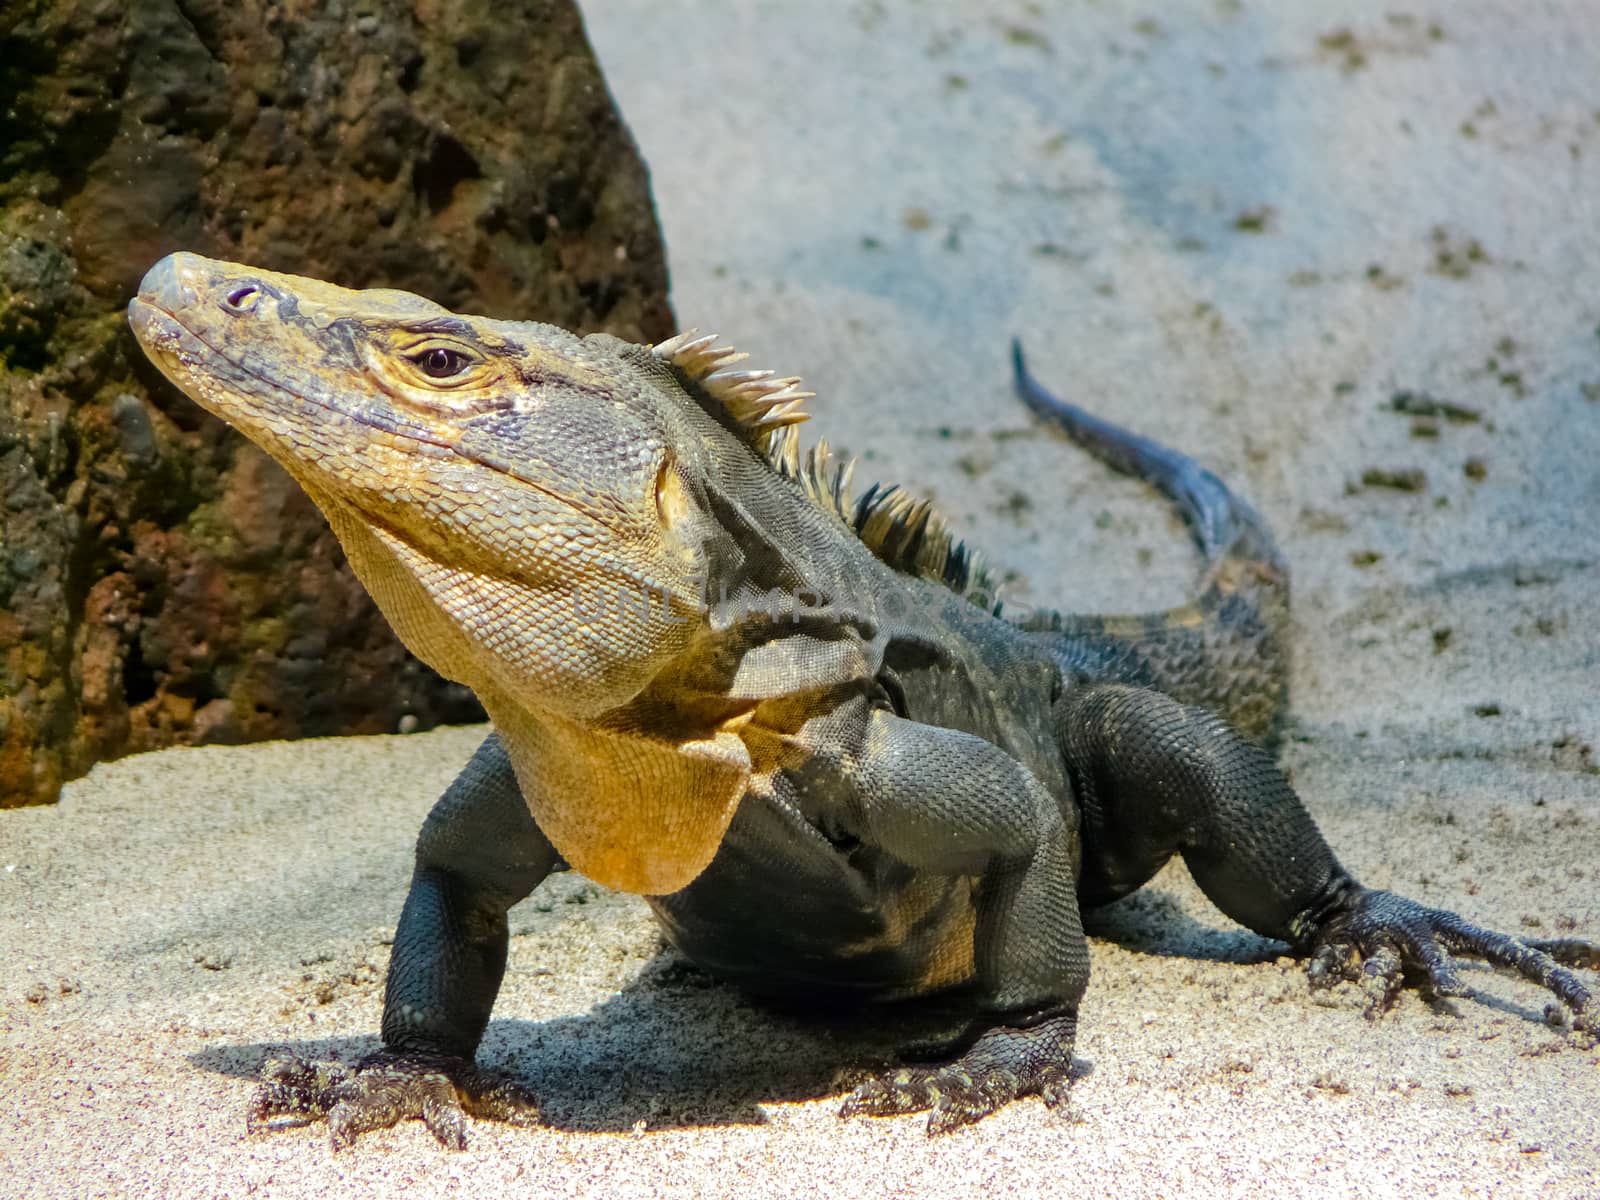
x=1376, y=936
x=383, y=1089
x=1004, y=1063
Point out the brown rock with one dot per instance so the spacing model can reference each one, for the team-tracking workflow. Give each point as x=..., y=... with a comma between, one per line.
x=162, y=582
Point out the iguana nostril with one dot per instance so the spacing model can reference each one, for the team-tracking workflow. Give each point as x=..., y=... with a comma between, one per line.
x=242, y=298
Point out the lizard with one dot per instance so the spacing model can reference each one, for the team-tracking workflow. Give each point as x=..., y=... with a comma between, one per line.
x=795, y=719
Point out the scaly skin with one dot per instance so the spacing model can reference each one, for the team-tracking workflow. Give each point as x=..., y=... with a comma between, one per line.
x=792, y=720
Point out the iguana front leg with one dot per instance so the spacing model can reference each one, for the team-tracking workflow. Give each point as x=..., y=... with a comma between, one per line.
x=950, y=803
x=479, y=852
x=1154, y=777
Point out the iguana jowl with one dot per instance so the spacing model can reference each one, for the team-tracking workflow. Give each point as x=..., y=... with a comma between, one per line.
x=789, y=718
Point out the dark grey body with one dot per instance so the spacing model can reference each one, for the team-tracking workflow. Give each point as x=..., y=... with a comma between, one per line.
x=863, y=924
x=860, y=924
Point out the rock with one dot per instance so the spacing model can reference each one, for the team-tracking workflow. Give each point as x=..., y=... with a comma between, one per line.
x=161, y=582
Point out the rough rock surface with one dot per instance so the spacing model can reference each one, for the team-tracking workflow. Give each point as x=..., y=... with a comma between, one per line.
x=161, y=582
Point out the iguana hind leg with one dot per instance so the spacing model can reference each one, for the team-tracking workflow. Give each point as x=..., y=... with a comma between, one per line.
x=479, y=852
x=1154, y=777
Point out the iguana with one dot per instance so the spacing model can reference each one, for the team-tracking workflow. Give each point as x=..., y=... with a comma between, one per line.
x=795, y=720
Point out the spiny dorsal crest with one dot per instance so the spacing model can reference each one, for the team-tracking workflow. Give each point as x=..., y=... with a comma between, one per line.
x=765, y=408
x=903, y=531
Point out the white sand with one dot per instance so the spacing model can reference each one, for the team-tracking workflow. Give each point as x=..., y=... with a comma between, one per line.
x=877, y=195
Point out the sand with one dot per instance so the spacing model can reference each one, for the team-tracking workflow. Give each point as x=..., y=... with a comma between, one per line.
x=1241, y=228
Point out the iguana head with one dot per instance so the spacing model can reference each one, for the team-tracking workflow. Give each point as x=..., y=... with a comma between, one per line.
x=507, y=491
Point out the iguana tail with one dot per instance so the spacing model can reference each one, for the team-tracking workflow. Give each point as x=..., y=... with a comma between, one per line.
x=1227, y=649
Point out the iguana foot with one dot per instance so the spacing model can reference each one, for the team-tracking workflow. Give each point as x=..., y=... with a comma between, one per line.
x=1005, y=1062
x=1375, y=936
x=384, y=1088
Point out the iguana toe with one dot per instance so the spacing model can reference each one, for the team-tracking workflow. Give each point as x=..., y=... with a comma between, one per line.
x=1377, y=936
x=293, y=1091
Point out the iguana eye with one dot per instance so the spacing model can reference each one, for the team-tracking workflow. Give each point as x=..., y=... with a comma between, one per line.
x=437, y=362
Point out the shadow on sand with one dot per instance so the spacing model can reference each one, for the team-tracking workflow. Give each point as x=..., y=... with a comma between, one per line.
x=674, y=1048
